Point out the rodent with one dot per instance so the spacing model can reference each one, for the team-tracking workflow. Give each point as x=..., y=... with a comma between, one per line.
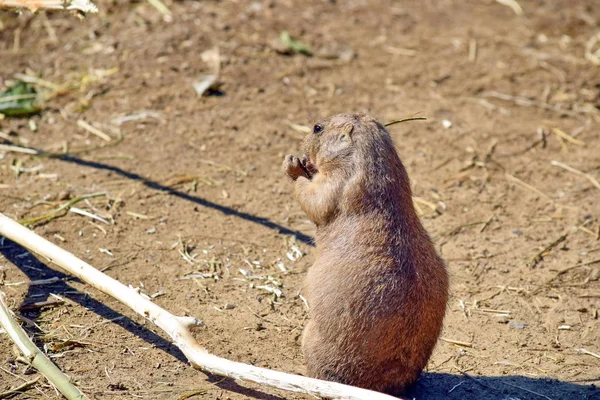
x=377, y=291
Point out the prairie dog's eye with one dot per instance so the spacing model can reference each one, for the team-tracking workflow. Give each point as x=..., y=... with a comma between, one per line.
x=317, y=128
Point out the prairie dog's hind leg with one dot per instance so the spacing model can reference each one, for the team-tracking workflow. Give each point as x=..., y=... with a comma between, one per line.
x=313, y=349
x=321, y=358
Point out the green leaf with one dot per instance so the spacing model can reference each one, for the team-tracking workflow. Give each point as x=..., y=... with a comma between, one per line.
x=19, y=101
x=294, y=45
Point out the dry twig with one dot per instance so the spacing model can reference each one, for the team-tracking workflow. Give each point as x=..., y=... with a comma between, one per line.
x=513, y=4
x=456, y=342
x=576, y=171
x=19, y=389
x=540, y=255
x=525, y=102
x=85, y=6
x=34, y=356
x=56, y=212
x=589, y=353
x=178, y=328
x=528, y=186
x=527, y=390
x=565, y=270
x=412, y=117
x=93, y=130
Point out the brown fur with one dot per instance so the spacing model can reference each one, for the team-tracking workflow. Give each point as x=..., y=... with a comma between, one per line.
x=378, y=290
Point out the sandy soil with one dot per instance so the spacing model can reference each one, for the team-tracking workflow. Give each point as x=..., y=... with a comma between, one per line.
x=202, y=174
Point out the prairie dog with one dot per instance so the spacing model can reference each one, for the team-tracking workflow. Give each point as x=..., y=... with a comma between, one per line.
x=378, y=290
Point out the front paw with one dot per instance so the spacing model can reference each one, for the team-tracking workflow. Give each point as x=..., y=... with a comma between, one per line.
x=293, y=167
x=309, y=167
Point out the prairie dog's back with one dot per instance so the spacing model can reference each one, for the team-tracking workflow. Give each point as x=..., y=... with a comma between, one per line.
x=378, y=290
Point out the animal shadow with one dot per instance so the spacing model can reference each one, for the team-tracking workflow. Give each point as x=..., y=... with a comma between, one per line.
x=185, y=196
x=438, y=386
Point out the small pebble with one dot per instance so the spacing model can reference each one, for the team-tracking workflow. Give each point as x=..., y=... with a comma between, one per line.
x=516, y=325
x=64, y=195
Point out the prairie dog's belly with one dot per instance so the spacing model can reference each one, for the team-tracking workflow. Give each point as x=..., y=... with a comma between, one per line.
x=351, y=290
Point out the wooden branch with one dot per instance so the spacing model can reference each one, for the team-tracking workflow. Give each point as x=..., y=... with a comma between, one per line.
x=178, y=327
x=35, y=356
x=85, y=6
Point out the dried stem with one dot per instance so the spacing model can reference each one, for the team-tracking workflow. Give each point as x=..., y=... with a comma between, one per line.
x=513, y=4
x=405, y=120
x=35, y=357
x=54, y=213
x=528, y=186
x=540, y=255
x=177, y=328
x=577, y=172
x=85, y=6
x=19, y=389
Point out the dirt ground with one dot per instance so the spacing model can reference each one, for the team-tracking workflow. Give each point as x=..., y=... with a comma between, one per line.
x=198, y=214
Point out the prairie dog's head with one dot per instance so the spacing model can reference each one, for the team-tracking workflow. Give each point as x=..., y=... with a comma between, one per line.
x=336, y=142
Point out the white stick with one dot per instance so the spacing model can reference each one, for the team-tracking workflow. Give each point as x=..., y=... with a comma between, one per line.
x=178, y=327
x=34, y=5
x=516, y=7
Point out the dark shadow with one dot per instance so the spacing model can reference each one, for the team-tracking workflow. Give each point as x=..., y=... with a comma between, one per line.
x=197, y=200
x=438, y=386
x=36, y=270
x=232, y=386
x=431, y=386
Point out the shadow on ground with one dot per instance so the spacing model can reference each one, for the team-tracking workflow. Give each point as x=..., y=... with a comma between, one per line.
x=438, y=386
x=431, y=386
x=185, y=196
x=36, y=270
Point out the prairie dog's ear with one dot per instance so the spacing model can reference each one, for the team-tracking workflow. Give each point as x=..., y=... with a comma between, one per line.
x=347, y=130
